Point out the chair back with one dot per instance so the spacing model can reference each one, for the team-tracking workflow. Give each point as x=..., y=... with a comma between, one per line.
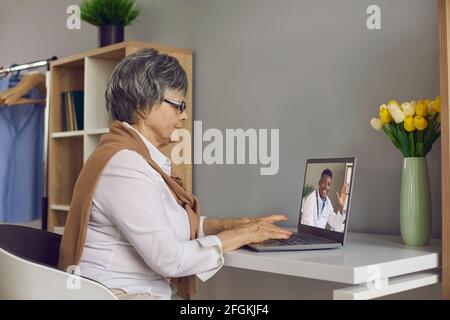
x=28, y=269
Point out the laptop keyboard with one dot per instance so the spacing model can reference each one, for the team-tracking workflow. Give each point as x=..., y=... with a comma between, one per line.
x=302, y=238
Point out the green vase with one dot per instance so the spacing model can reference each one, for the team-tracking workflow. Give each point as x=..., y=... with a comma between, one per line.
x=415, y=205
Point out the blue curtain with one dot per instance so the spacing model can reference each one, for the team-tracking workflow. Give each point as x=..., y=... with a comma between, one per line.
x=21, y=157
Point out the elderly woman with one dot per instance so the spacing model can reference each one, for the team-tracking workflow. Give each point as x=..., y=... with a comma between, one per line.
x=131, y=226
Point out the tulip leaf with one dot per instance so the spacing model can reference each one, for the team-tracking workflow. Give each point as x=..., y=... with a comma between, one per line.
x=432, y=125
x=420, y=149
x=431, y=141
x=412, y=149
x=389, y=133
x=420, y=144
x=403, y=140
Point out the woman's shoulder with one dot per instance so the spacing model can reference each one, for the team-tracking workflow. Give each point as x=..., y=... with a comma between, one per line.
x=131, y=163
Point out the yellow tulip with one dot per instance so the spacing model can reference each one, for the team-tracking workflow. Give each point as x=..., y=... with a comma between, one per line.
x=420, y=123
x=431, y=111
x=409, y=109
x=376, y=124
x=436, y=104
x=409, y=124
x=421, y=109
x=397, y=114
x=385, y=116
x=394, y=102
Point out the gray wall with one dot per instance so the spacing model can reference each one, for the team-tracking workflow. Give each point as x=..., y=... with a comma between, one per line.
x=310, y=68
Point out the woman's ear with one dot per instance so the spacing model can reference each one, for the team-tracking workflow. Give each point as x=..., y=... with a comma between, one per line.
x=142, y=113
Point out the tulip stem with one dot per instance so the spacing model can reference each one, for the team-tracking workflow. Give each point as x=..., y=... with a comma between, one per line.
x=412, y=148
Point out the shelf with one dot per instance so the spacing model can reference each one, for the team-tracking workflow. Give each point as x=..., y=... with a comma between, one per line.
x=66, y=161
x=115, y=52
x=96, y=77
x=60, y=207
x=97, y=131
x=58, y=230
x=63, y=79
x=58, y=217
x=68, y=150
x=67, y=134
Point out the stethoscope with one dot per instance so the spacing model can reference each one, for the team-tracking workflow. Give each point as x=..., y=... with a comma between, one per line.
x=317, y=206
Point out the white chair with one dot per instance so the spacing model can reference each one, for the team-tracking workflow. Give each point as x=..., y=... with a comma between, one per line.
x=28, y=260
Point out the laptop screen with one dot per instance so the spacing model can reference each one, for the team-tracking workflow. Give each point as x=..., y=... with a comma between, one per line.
x=326, y=194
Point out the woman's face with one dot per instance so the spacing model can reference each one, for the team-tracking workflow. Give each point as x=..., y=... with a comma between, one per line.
x=163, y=120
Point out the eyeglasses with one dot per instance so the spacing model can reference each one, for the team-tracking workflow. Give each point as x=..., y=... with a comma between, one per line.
x=180, y=105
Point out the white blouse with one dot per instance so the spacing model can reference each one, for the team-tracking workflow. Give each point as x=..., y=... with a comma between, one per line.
x=138, y=236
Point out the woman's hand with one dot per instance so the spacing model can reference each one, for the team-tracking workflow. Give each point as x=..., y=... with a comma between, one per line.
x=252, y=231
x=214, y=225
x=261, y=229
x=237, y=222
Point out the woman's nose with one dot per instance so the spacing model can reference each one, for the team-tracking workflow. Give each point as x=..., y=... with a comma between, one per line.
x=184, y=115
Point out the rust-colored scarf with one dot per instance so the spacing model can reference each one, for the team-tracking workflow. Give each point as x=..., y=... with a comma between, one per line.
x=74, y=238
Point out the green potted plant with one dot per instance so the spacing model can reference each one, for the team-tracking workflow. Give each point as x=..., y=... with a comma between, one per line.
x=110, y=16
x=307, y=190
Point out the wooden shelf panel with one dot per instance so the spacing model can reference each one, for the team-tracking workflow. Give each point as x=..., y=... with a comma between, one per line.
x=96, y=76
x=67, y=134
x=58, y=218
x=97, y=131
x=116, y=51
x=65, y=163
x=60, y=207
x=90, y=143
x=63, y=79
x=444, y=62
x=58, y=230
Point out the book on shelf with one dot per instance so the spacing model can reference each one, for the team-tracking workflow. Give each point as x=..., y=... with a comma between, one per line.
x=72, y=110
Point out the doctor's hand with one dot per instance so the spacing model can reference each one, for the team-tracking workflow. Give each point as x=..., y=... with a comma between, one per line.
x=257, y=230
x=342, y=197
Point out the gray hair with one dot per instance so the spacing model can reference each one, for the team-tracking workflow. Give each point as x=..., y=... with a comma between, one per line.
x=140, y=81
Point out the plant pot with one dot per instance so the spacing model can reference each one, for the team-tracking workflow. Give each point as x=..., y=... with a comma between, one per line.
x=110, y=34
x=415, y=205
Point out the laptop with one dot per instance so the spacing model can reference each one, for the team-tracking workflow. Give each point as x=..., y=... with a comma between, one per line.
x=324, y=207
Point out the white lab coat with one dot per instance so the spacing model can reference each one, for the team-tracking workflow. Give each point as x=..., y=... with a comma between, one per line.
x=326, y=216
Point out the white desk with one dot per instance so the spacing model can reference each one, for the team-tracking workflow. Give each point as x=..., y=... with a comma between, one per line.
x=376, y=265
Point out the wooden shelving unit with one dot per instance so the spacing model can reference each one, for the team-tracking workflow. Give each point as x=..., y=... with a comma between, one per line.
x=68, y=150
x=444, y=62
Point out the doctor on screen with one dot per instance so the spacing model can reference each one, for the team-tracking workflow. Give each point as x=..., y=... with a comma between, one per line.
x=318, y=210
